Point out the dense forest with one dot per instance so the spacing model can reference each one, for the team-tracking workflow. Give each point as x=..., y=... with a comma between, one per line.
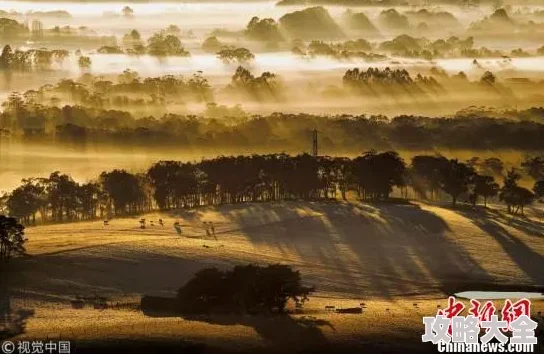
x=472, y=129
x=172, y=185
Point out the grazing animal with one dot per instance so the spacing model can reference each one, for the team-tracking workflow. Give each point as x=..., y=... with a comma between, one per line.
x=161, y=222
x=106, y=222
x=177, y=227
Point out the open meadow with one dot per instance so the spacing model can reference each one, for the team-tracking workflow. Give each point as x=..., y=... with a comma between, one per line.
x=387, y=256
x=175, y=176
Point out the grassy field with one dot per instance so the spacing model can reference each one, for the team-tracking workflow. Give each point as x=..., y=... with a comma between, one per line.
x=388, y=256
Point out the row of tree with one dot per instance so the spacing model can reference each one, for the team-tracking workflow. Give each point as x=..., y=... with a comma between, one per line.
x=22, y=117
x=171, y=185
x=25, y=60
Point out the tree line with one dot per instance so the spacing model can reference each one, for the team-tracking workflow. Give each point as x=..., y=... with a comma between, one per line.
x=475, y=130
x=170, y=185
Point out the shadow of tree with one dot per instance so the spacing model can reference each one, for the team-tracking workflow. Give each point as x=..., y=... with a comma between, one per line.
x=528, y=260
x=522, y=223
x=378, y=249
x=12, y=322
x=276, y=330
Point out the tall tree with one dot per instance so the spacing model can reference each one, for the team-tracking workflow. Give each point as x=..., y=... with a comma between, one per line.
x=377, y=173
x=455, y=178
x=11, y=238
x=486, y=187
x=125, y=190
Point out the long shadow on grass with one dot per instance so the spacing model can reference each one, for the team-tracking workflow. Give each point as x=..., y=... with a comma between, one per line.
x=12, y=322
x=277, y=330
x=381, y=250
x=527, y=259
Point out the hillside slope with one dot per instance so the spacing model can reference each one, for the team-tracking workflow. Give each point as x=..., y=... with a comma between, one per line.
x=344, y=249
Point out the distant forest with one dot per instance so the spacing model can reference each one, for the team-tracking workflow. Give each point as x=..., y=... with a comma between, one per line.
x=173, y=185
x=474, y=129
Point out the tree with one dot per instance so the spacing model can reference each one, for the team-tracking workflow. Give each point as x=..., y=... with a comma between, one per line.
x=265, y=29
x=538, y=189
x=124, y=189
x=132, y=41
x=486, y=187
x=377, y=173
x=84, y=62
x=260, y=88
x=534, y=167
x=514, y=196
x=161, y=45
x=492, y=166
x=488, y=78
x=11, y=238
x=425, y=174
x=523, y=197
x=240, y=55
x=243, y=289
x=128, y=11
x=212, y=45
x=26, y=200
x=455, y=178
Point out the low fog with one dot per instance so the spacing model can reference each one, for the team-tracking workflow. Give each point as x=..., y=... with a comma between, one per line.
x=94, y=85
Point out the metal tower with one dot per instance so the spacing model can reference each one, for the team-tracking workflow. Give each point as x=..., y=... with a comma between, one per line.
x=314, y=142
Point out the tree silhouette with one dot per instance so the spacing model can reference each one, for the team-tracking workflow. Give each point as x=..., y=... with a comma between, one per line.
x=377, y=173
x=163, y=45
x=486, y=187
x=125, y=190
x=455, y=178
x=127, y=11
x=514, y=196
x=11, y=238
x=425, y=172
x=243, y=289
x=26, y=200
x=265, y=29
x=538, y=189
x=534, y=167
x=239, y=55
x=84, y=62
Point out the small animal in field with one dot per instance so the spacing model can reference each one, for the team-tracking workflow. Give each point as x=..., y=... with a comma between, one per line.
x=177, y=227
x=207, y=228
x=161, y=222
x=106, y=222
